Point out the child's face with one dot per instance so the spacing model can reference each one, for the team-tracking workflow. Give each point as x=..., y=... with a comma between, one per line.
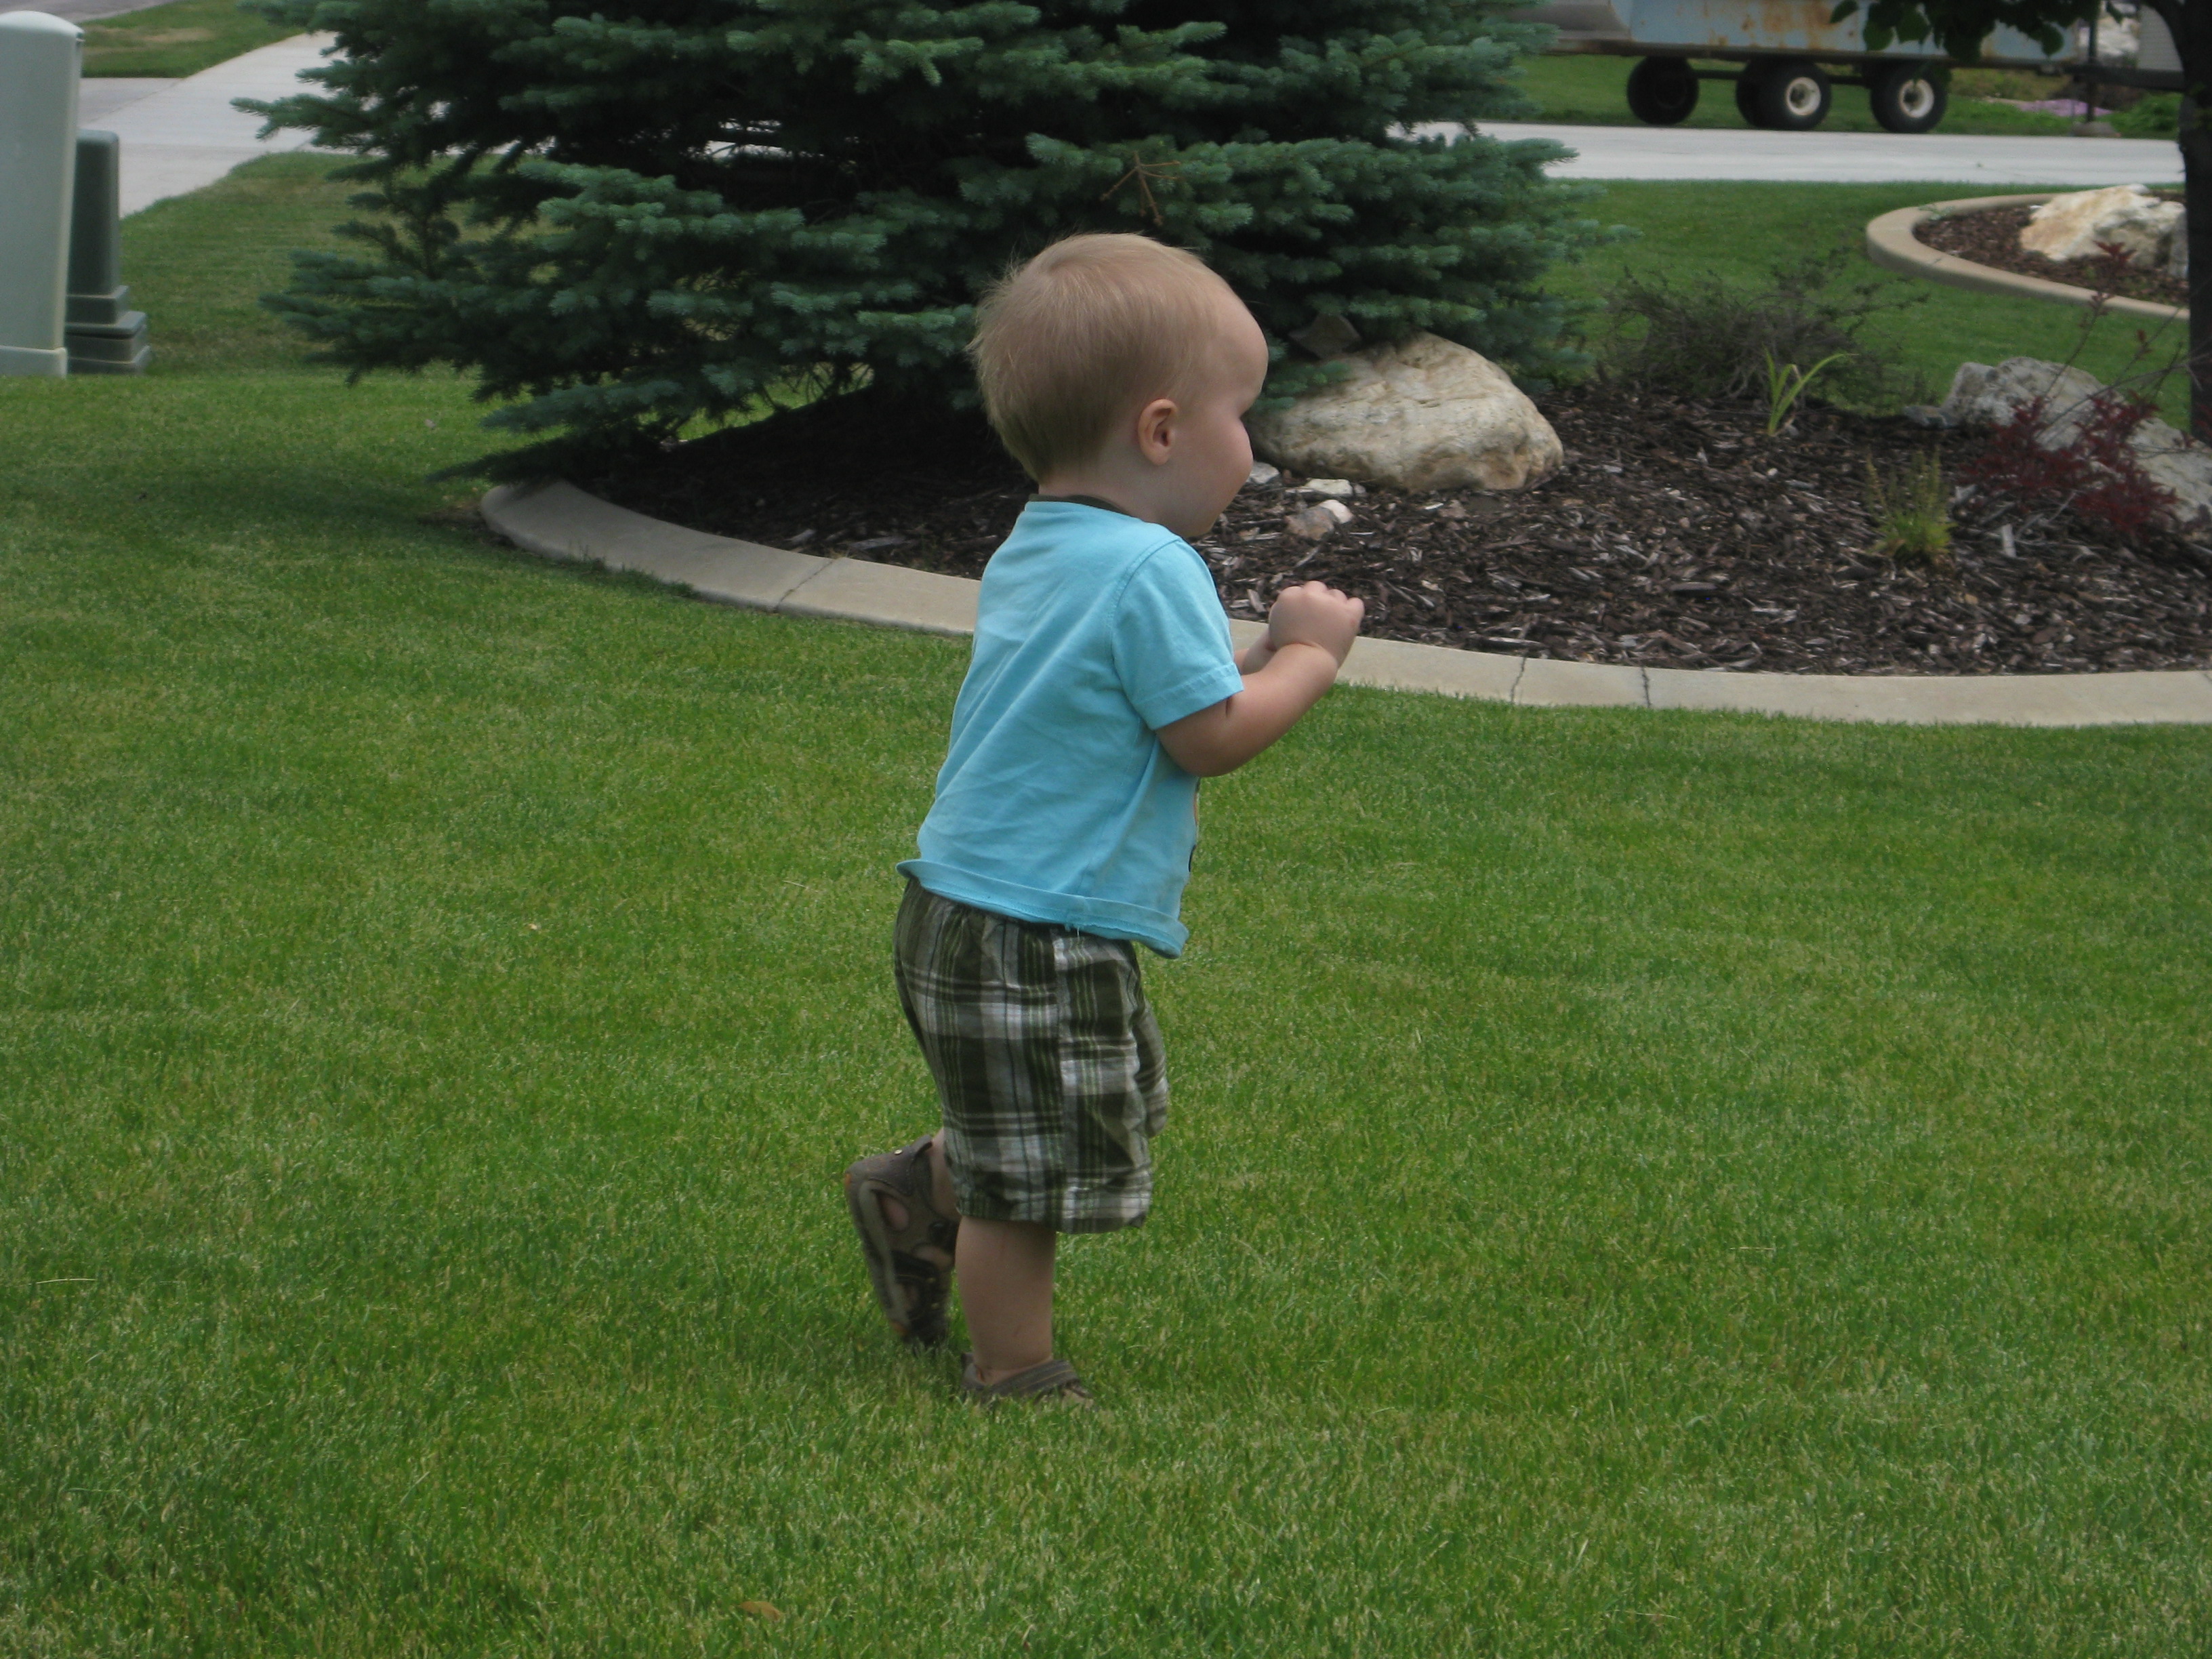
x=1211, y=454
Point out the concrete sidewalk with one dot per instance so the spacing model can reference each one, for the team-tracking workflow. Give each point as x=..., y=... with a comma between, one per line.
x=1848, y=158
x=179, y=135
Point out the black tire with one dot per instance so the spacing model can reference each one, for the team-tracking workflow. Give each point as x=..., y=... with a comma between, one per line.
x=1663, y=91
x=1907, y=97
x=1746, y=95
x=1793, y=94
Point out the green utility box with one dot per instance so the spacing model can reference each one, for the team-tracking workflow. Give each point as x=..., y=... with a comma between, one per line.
x=103, y=334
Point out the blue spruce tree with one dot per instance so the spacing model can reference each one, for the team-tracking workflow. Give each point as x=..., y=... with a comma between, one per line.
x=624, y=217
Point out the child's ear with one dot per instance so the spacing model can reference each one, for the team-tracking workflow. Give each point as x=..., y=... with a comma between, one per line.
x=1156, y=431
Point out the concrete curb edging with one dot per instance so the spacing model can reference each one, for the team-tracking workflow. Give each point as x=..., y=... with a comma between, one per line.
x=1892, y=241
x=558, y=520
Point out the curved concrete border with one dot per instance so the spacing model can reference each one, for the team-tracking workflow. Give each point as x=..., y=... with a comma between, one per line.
x=1892, y=241
x=560, y=521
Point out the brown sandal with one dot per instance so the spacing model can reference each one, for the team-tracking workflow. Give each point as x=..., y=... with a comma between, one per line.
x=913, y=1291
x=1054, y=1380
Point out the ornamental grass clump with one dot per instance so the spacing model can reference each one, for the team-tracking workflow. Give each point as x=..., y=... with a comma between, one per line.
x=1911, y=511
x=625, y=223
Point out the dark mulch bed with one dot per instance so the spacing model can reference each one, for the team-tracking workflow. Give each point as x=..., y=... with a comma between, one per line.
x=1677, y=535
x=1991, y=237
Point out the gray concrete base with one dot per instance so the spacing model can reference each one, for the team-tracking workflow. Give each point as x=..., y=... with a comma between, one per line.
x=560, y=521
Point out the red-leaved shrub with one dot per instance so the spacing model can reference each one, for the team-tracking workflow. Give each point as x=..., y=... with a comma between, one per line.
x=2096, y=471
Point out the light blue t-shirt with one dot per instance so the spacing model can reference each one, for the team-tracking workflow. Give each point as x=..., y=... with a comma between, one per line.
x=1056, y=803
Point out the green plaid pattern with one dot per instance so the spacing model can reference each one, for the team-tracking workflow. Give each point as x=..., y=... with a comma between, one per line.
x=1047, y=1062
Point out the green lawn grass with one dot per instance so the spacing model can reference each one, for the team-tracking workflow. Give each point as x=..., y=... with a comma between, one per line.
x=1584, y=88
x=1739, y=232
x=179, y=38
x=1668, y=1184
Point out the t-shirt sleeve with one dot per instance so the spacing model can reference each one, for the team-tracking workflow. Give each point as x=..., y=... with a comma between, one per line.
x=1171, y=645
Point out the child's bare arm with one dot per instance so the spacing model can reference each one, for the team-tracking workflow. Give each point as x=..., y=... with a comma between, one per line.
x=1309, y=631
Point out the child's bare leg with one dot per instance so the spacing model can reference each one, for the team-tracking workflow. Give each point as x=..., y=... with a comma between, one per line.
x=1004, y=1269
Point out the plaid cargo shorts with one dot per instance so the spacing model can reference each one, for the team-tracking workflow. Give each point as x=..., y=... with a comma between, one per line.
x=1047, y=1062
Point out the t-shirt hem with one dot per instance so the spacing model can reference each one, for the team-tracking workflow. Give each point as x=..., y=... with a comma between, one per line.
x=1107, y=918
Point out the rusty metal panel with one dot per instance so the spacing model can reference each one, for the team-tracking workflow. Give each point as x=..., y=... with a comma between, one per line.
x=1783, y=25
x=1753, y=25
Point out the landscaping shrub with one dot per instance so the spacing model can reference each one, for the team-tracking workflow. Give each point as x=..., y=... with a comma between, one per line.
x=2096, y=471
x=1709, y=339
x=633, y=219
x=2154, y=115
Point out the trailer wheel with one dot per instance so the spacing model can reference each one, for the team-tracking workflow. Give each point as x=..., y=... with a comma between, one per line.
x=1661, y=91
x=1746, y=96
x=1907, y=97
x=1792, y=96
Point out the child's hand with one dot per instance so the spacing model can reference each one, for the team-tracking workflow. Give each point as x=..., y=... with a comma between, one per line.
x=1314, y=613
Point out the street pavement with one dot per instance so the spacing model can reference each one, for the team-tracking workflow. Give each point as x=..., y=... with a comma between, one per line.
x=178, y=136
x=79, y=11
x=1855, y=158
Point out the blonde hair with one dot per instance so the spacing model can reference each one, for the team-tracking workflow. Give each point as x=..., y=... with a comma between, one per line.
x=1082, y=334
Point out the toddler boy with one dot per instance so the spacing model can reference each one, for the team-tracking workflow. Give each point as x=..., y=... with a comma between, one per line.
x=1103, y=686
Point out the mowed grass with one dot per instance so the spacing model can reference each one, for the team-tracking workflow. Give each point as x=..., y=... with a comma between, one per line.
x=179, y=38
x=1692, y=233
x=1663, y=1184
x=1584, y=88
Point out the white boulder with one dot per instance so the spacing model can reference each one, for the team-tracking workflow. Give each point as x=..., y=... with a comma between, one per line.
x=1423, y=414
x=2127, y=217
x=1983, y=395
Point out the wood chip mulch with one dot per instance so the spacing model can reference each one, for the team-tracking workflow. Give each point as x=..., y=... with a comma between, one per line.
x=1990, y=236
x=1677, y=535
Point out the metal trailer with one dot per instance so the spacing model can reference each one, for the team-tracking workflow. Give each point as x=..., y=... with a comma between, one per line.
x=1791, y=55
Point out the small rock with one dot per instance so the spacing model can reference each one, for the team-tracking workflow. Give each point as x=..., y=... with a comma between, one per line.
x=1927, y=415
x=1422, y=414
x=1342, y=489
x=1452, y=510
x=1336, y=510
x=1315, y=523
x=1327, y=337
x=1263, y=476
x=2071, y=226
